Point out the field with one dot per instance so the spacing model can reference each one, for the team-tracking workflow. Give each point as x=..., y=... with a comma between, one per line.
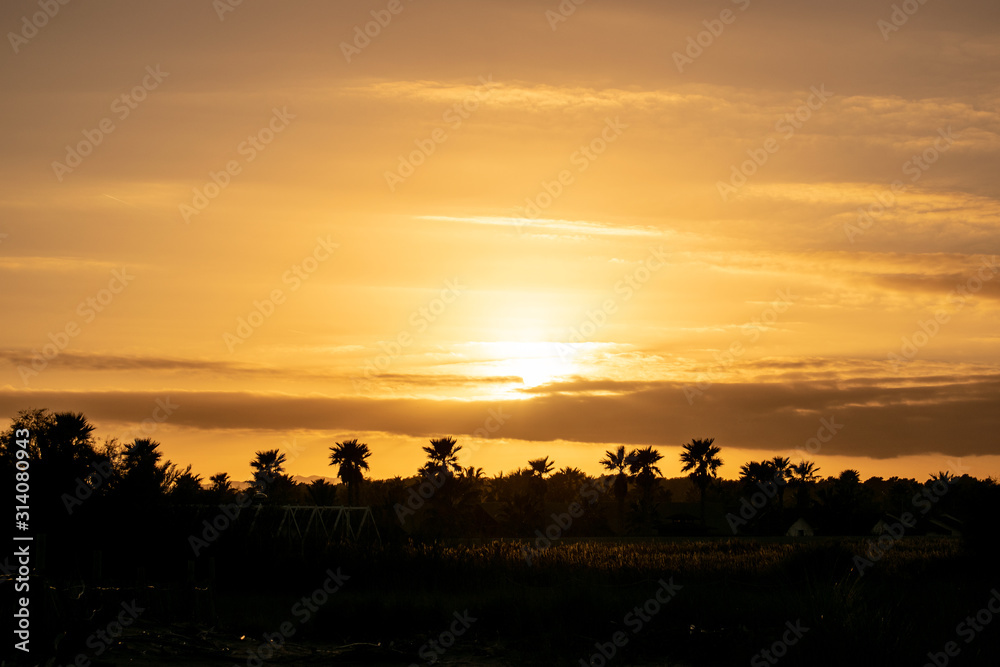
x=685, y=602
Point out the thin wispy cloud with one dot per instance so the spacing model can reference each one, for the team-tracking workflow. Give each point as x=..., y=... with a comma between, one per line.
x=550, y=226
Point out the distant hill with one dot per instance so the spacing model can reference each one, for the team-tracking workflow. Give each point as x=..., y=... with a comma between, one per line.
x=312, y=478
x=298, y=479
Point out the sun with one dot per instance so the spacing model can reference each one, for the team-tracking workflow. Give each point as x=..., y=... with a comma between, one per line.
x=536, y=363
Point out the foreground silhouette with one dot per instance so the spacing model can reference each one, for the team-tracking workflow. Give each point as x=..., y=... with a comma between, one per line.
x=120, y=524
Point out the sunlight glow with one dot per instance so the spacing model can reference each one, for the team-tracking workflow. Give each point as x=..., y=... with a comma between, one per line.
x=536, y=363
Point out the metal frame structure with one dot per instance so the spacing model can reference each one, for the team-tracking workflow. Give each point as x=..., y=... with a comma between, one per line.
x=316, y=521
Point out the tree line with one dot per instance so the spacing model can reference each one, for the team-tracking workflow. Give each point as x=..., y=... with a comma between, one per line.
x=70, y=469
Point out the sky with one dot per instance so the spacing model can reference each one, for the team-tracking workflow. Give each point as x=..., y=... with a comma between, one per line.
x=542, y=228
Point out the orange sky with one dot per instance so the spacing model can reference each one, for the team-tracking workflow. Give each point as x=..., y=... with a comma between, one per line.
x=540, y=236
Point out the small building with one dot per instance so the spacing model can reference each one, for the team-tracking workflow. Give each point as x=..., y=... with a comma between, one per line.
x=800, y=528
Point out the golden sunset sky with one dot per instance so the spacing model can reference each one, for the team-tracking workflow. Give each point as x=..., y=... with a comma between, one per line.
x=540, y=231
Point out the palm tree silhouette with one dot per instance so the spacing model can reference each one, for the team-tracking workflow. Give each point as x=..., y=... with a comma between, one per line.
x=541, y=467
x=848, y=479
x=267, y=466
x=701, y=457
x=61, y=450
x=442, y=456
x=782, y=467
x=642, y=464
x=144, y=477
x=351, y=456
x=765, y=473
x=804, y=474
x=754, y=472
x=221, y=483
x=473, y=473
x=538, y=469
x=805, y=471
x=618, y=462
x=186, y=487
x=943, y=477
x=322, y=492
x=847, y=488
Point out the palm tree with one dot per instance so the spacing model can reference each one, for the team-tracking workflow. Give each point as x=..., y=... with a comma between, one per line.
x=473, y=473
x=754, y=472
x=565, y=484
x=849, y=478
x=944, y=477
x=221, y=483
x=442, y=456
x=61, y=450
x=322, y=492
x=701, y=457
x=541, y=467
x=71, y=437
x=186, y=488
x=143, y=473
x=537, y=470
x=642, y=464
x=351, y=456
x=848, y=487
x=804, y=473
x=618, y=462
x=267, y=466
x=782, y=467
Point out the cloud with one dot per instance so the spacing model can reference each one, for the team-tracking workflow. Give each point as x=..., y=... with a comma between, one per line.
x=544, y=225
x=938, y=414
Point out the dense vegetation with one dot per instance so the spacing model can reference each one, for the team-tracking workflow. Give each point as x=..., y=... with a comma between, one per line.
x=548, y=561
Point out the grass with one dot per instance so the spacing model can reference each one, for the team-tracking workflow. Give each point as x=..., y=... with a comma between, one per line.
x=736, y=598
